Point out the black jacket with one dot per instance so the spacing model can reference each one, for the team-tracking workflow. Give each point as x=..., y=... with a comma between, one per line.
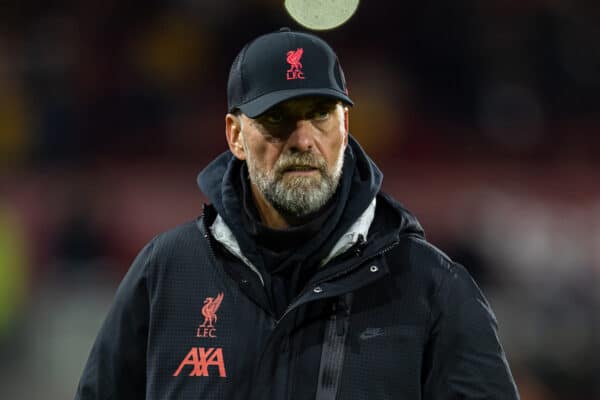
x=390, y=318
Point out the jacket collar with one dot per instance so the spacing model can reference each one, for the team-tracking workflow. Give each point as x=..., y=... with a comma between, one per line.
x=357, y=232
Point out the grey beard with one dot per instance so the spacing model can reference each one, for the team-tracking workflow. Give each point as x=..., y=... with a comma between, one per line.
x=298, y=196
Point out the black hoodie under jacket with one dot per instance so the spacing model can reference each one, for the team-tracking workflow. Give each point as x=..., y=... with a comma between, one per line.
x=392, y=317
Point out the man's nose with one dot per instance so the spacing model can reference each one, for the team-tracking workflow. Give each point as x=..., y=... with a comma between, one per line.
x=302, y=137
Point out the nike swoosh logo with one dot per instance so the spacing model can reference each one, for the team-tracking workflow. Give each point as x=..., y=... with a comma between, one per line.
x=370, y=333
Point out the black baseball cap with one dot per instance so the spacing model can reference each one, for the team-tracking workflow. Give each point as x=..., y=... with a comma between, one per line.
x=280, y=66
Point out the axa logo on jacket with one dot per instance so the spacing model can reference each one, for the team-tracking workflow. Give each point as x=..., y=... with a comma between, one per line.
x=200, y=358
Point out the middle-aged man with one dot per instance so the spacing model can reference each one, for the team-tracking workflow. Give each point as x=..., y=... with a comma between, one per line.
x=302, y=279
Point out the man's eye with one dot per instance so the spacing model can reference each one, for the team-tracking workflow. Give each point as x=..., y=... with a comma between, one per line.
x=321, y=115
x=274, y=118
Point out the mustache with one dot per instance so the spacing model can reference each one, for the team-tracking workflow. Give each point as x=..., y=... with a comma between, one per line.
x=300, y=160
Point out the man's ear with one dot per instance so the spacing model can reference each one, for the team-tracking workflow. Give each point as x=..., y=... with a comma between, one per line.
x=233, y=132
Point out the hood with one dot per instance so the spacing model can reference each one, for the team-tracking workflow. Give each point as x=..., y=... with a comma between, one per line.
x=219, y=181
x=393, y=219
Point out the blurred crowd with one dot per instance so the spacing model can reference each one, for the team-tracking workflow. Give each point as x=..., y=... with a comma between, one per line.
x=484, y=117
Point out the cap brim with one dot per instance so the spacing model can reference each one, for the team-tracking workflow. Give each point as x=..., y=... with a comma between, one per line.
x=258, y=106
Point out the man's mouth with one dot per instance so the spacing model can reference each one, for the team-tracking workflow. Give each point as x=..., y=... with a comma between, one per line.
x=300, y=169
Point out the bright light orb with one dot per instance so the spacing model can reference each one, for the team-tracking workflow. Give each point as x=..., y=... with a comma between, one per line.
x=321, y=15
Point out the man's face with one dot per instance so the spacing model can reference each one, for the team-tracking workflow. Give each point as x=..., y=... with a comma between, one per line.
x=294, y=153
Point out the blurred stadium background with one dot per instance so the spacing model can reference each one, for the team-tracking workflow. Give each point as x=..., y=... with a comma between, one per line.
x=483, y=115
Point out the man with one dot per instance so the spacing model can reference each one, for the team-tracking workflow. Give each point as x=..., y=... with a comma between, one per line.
x=301, y=280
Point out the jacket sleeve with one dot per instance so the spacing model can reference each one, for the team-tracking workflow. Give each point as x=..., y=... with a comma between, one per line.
x=464, y=358
x=116, y=367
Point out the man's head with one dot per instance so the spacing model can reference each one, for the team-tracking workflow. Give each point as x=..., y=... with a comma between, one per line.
x=288, y=120
x=294, y=152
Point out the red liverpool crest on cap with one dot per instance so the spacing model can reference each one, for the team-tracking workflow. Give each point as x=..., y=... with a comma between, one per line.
x=293, y=58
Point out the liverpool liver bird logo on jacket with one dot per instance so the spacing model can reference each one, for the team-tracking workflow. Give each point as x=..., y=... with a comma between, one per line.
x=293, y=58
x=209, y=311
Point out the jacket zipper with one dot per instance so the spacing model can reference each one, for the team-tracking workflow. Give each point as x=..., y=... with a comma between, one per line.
x=336, y=331
x=206, y=230
x=334, y=349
